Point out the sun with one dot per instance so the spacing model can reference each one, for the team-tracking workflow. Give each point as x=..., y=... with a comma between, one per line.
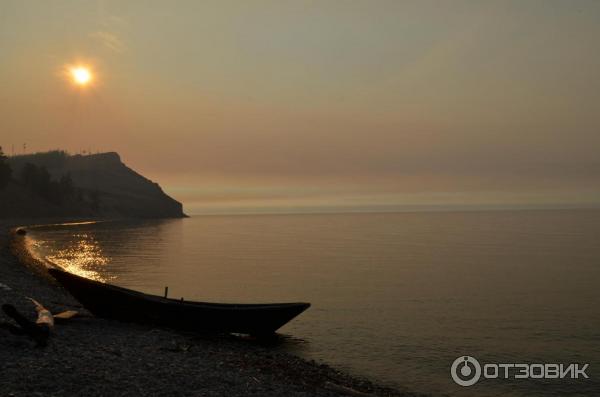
x=81, y=75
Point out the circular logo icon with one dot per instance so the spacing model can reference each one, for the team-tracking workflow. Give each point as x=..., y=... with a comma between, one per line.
x=465, y=371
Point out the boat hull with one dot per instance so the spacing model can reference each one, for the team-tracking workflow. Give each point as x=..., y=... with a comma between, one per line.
x=109, y=301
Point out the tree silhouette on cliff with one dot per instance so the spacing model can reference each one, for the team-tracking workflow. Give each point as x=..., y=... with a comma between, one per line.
x=38, y=180
x=5, y=170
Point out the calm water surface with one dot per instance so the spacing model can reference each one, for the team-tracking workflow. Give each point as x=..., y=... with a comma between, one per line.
x=396, y=297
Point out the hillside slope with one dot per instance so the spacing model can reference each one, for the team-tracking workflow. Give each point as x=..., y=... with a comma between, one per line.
x=109, y=187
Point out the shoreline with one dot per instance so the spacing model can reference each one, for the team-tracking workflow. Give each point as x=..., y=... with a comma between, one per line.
x=93, y=356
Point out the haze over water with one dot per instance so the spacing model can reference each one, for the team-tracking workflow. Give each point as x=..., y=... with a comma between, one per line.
x=396, y=296
x=312, y=103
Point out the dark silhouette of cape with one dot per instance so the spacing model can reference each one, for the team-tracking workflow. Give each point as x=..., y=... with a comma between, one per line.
x=56, y=184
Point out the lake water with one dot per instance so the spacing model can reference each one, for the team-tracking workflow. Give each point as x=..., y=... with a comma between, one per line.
x=396, y=296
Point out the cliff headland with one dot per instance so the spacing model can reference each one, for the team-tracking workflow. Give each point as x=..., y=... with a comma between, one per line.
x=56, y=184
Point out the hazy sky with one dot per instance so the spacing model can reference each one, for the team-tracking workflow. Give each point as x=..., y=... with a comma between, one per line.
x=295, y=103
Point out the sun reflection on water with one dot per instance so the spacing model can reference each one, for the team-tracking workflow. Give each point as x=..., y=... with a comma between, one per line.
x=83, y=257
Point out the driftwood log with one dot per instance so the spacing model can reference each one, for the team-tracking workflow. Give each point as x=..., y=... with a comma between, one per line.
x=39, y=330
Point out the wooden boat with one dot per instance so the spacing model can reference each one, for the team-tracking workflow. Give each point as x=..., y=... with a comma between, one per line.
x=109, y=301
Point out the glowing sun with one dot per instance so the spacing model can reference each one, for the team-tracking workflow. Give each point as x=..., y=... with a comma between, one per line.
x=81, y=75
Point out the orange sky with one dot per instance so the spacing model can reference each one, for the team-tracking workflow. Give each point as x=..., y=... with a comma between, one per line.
x=281, y=104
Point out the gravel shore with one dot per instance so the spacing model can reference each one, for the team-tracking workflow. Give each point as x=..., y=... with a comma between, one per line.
x=89, y=356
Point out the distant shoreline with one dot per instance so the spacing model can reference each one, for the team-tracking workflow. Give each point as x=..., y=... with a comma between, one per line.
x=140, y=359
